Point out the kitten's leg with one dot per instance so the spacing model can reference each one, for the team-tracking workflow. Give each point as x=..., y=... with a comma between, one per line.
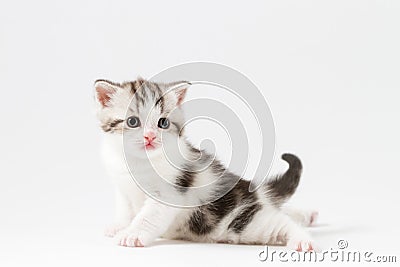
x=303, y=217
x=279, y=227
x=123, y=214
x=151, y=222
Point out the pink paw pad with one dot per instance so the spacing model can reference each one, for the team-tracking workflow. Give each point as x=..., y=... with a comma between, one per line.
x=301, y=247
x=138, y=243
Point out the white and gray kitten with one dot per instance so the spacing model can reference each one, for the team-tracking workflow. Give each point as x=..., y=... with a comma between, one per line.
x=150, y=118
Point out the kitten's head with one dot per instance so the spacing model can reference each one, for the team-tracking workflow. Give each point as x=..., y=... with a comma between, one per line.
x=147, y=113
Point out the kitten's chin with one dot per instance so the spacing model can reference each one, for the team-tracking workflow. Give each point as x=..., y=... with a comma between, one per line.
x=147, y=152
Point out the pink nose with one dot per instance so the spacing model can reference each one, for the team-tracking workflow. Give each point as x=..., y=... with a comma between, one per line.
x=150, y=136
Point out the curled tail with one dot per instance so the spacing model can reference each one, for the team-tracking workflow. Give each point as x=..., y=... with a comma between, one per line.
x=282, y=187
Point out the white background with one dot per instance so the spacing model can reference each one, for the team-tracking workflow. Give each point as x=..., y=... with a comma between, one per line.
x=329, y=70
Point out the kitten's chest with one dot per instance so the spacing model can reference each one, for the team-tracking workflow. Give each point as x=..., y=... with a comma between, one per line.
x=149, y=170
x=114, y=160
x=153, y=170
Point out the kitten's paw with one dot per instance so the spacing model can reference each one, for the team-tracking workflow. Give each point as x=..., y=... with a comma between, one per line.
x=113, y=229
x=302, y=243
x=128, y=238
x=129, y=241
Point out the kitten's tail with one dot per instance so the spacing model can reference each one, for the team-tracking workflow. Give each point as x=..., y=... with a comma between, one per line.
x=282, y=187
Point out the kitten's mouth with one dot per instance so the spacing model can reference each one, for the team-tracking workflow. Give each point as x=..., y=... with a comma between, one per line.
x=149, y=146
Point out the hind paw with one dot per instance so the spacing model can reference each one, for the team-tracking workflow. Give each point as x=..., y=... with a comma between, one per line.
x=300, y=245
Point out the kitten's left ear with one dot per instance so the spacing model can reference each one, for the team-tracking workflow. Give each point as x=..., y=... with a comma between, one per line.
x=104, y=91
x=180, y=89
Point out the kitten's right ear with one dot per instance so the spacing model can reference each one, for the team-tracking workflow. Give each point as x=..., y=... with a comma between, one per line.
x=104, y=91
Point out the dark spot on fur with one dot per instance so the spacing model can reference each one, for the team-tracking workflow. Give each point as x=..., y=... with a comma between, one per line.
x=184, y=180
x=244, y=218
x=199, y=223
x=106, y=128
x=115, y=123
x=214, y=212
x=217, y=168
x=133, y=87
x=160, y=102
x=110, y=126
x=192, y=148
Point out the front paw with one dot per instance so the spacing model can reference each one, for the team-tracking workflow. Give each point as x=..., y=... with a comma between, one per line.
x=302, y=242
x=113, y=229
x=133, y=238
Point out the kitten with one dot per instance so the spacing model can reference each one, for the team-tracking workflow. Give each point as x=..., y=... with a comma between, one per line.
x=145, y=118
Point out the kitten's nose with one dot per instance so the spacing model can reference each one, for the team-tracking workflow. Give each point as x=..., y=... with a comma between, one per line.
x=149, y=136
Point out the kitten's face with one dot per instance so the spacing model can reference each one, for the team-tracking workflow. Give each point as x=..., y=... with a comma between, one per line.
x=147, y=114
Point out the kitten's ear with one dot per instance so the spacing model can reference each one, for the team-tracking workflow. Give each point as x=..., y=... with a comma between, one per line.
x=104, y=91
x=180, y=89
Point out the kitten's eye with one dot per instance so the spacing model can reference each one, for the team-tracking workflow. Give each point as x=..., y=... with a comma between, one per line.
x=163, y=123
x=133, y=122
